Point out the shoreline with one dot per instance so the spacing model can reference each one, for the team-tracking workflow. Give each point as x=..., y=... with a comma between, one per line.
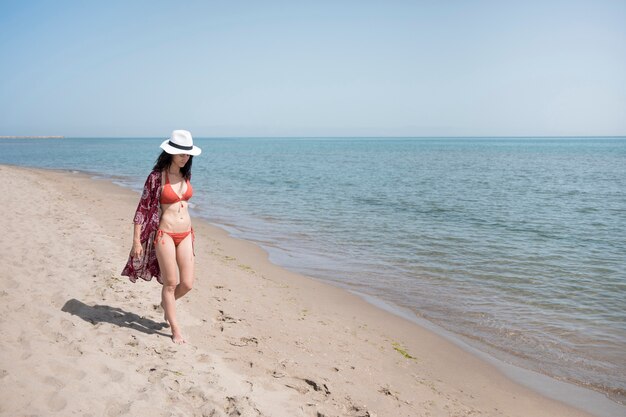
x=568, y=392
x=354, y=327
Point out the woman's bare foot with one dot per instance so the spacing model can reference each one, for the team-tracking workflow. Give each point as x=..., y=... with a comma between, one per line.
x=177, y=336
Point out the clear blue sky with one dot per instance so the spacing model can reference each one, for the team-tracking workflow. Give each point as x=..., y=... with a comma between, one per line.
x=315, y=68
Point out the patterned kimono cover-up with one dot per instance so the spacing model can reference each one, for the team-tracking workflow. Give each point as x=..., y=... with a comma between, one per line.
x=148, y=215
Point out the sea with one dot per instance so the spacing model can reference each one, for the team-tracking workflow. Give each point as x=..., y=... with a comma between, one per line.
x=515, y=245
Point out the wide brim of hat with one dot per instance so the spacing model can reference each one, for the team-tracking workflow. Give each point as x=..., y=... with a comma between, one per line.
x=175, y=151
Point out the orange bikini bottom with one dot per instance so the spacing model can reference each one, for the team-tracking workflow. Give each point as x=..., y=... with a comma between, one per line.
x=176, y=237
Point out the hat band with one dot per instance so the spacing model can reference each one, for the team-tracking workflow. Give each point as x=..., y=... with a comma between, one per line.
x=177, y=146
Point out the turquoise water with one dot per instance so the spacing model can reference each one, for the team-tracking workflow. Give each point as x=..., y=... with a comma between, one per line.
x=517, y=245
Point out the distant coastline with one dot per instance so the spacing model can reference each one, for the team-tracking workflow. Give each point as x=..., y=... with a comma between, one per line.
x=32, y=137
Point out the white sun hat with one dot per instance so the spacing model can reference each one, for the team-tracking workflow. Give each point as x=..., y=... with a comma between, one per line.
x=180, y=142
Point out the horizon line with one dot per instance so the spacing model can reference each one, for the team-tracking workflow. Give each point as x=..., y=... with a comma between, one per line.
x=323, y=137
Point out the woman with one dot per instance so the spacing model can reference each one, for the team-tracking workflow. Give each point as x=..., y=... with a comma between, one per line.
x=163, y=237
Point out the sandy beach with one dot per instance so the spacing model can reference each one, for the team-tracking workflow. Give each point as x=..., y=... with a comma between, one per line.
x=79, y=339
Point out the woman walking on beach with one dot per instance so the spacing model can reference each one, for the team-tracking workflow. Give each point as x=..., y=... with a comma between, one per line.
x=163, y=236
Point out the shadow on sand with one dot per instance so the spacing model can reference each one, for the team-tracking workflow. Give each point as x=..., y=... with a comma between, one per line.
x=107, y=314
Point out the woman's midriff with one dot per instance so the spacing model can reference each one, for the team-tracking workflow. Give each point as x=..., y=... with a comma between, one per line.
x=175, y=217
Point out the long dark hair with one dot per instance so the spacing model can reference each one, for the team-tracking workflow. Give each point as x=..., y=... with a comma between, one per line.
x=165, y=160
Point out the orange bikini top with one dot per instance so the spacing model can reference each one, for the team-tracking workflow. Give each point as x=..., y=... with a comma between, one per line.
x=169, y=196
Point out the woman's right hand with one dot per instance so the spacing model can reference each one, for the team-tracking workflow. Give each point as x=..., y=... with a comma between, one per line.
x=137, y=250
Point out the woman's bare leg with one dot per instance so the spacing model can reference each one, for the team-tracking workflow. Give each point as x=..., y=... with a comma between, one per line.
x=185, y=260
x=166, y=255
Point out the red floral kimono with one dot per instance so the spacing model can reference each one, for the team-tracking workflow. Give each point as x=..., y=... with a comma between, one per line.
x=148, y=215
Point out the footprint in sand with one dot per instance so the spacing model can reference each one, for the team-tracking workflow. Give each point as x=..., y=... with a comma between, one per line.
x=244, y=341
x=225, y=318
x=242, y=406
x=113, y=374
x=56, y=402
x=115, y=409
x=357, y=411
x=196, y=396
x=305, y=385
x=54, y=382
x=25, y=345
x=153, y=372
x=67, y=371
x=222, y=319
x=203, y=358
x=75, y=348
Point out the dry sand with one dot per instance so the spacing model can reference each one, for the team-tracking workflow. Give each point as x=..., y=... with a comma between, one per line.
x=78, y=339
